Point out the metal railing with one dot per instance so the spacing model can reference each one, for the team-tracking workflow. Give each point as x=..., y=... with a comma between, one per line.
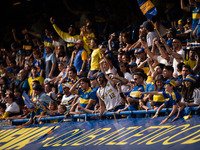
x=85, y=117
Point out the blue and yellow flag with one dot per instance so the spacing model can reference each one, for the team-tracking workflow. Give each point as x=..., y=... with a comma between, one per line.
x=147, y=8
x=27, y=100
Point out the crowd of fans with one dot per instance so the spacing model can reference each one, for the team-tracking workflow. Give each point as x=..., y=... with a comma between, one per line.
x=74, y=73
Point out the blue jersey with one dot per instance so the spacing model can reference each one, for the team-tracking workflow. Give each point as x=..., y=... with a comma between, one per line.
x=158, y=99
x=39, y=64
x=86, y=96
x=149, y=87
x=135, y=94
x=171, y=100
x=169, y=42
x=195, y=16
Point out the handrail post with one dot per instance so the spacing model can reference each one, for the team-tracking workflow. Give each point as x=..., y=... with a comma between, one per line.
x=85, y=116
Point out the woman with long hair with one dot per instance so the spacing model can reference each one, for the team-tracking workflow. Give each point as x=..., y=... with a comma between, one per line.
x=190, y=97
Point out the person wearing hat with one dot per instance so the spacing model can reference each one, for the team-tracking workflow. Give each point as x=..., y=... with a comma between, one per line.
x=51, y=69
x=180, y=31
x=67, y=98
x=171, y=34
x=142, y=59
x=151, y=33
x=132, y=66
x=171, y=98
x=81, y=57
x=190, y=97
x=70, y=37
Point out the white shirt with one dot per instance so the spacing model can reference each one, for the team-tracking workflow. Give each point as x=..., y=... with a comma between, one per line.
x=67, y=100
x=175, y=63
x=59, y=43
x=151, y=36
x=13, y=108
x=113, y=71
x=164, y=61
x=109, y=95
x=127, y=76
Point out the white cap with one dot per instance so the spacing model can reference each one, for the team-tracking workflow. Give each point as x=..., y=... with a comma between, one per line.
x=67, y=85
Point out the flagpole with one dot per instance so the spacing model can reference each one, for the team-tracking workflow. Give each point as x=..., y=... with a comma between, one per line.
x=156, y=29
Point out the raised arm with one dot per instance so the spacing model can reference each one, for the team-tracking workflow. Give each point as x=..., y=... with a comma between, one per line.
x=73, y=89
x=123, y=80
x=60, y=32
x=162, y=53
x=33, y=33
x=151, y=55
x=15, y=36
x=177, y=56
x=112, y=82
x=184, y=7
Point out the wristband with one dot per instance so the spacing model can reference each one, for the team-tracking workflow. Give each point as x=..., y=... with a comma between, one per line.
x=157, y=113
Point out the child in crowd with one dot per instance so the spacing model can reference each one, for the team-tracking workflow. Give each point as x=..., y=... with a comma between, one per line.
x=53, y=108
x=172, y=98
x=3, y=113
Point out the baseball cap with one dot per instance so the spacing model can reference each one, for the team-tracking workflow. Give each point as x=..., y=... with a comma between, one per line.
x=100, y=74
x=67, y=85
x=132, y=64
x=190, y=78
x=170, y=81
x=140, y=50
x=93, y=78
x=146, y=24
x=47, y=80
x=79, y=42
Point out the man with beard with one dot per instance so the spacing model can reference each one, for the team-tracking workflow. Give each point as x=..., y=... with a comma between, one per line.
x=109, y=99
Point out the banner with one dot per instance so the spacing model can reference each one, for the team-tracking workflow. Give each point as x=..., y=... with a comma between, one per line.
x=126, y=134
